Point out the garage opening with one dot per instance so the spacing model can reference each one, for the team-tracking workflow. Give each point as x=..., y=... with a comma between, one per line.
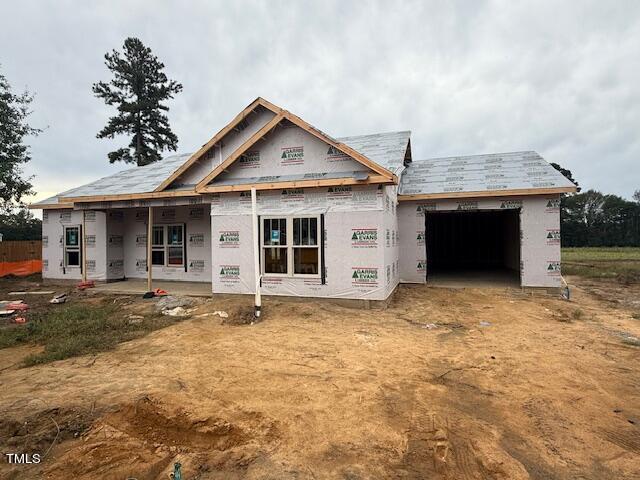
x=479, y=248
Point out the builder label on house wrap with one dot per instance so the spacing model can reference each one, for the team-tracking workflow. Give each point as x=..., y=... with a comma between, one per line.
x=229, y=239
x=292, y=156
x=142, y=215
x=553, y=236
x=292, y=195
x=90, y=216
x=335, y=155
x=141, y=240
x=196, y=212
x=364, y=276
x=116, y=266
x=553, y=205
x=91, y=241
x=365, y=198
x=115, y=240
x=45, y=265
x=196, y=240
x=45, y=241
x=141, y=265
x=511, y=204
x=65, y=217
x=250, y=159
x=91, y=266
x=420, y=238
x=421, y=267
x=229, y=273
x=553, y=267
x=470, y=205
x=339, y=194
x=364, y=237
x=196, y=266
x=168, y=214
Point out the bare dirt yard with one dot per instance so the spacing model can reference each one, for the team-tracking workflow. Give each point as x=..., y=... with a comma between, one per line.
x=443, y=384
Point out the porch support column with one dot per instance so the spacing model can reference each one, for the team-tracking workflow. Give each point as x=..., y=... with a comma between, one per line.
x=84, y=245
x=256, y=258
x=149, y=243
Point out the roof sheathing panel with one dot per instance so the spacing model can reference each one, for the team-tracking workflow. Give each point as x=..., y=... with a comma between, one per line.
x=133, y=180
x=481, y=173
x=386, y=149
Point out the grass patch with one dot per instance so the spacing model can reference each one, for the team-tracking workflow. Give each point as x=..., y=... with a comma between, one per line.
x=621, y=263
x=78, y=329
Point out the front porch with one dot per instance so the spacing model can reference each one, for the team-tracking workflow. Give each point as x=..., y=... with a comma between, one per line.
x=136, y=286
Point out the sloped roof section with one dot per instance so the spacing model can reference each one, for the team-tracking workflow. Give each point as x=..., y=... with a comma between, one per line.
x=491, y=173
x=133, y=180
x=386, y=149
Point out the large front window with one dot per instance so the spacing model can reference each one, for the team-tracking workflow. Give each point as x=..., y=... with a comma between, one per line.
x=290, y=246
x=167, y=246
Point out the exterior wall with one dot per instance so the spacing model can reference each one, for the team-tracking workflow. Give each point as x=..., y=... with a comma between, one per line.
x=197, y=238
x=539, y=232
x=353, y=250
x=53, y=223
x=391, y=240
x=290, y=150
x=230, y=142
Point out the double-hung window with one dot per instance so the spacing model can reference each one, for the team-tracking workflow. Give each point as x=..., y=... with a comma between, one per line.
x=72, y=247
x=157, y=246
x=167, y=246
x=290, y=246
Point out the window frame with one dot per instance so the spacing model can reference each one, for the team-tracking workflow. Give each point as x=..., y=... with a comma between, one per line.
x=290, y=246
x=158, y=247
x=72, y=248
x=164, y=248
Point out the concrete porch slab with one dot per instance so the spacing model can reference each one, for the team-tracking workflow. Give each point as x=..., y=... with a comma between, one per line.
x=139, y=287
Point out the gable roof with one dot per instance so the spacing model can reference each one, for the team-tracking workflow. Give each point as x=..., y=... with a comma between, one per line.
x=497, y=174
x=281, y=116
x=216, y=138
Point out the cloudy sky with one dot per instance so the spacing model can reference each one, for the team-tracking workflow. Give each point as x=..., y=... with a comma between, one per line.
x=465, y=77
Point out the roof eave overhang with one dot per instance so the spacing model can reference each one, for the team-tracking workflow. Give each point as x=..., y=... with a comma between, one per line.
x=486, y=193
x=49, y=206
x=128, y=196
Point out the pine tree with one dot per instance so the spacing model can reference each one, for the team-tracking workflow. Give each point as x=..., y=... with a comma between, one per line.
x=138, y=89
x=14, y=110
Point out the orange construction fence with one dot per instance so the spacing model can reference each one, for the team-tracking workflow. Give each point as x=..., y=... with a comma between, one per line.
x=20, y=269
x=20, y=258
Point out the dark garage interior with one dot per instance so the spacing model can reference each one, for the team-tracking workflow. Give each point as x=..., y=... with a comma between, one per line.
x=478, y=248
